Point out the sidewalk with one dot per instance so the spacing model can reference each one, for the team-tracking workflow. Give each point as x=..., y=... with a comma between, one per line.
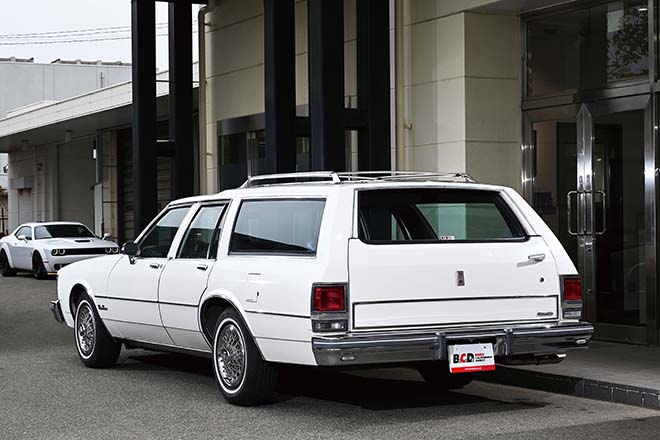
x=612, y=372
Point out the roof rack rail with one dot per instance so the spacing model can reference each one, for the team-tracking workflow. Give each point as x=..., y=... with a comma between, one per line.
x=358, y=176
x=405, y=175
x=271, y=179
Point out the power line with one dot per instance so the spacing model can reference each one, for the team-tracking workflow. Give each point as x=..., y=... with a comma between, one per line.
x=76, y=32
x=82, y=40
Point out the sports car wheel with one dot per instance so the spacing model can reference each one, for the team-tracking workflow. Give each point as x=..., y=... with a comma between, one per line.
x=96, y=347
x=5, y=269
x=38, y=269
x=243, y=377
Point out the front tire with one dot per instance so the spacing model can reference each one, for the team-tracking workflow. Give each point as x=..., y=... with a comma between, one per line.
x=5, y=269
x=438, y=377
x=96, y=348
x=38, y=269
x=243, y=377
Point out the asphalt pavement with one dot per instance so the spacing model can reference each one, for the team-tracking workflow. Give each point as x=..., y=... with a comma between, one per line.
x=46, y=393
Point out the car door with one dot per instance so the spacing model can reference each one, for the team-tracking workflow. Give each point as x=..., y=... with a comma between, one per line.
x=132, y=294
x=185, y=277
x=21, y=249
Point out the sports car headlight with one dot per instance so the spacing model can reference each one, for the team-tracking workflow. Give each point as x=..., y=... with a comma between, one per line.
x=53, y=252
x=115, y=250
x=56, y=252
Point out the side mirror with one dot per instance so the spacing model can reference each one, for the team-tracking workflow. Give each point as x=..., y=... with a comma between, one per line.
x=107, y=236
x=22, y=238
x=132, y=250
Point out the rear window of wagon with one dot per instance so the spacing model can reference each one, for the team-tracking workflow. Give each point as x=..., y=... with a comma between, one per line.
x=435, y=215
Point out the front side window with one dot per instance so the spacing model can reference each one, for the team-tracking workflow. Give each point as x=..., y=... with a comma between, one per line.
x=278, y=227
x=201, y=239
x=435, y=215
x=157, y=242
x=62, y=231
x=25, y=231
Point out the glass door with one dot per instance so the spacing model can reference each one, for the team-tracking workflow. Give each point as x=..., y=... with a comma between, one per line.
x=610, y=214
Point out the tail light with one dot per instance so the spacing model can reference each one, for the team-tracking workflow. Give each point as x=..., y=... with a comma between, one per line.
x=329, y=299
x=329, y=308
x=571, y=299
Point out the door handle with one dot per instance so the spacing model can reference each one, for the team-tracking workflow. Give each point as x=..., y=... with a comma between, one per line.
x=568, y=210
x=536, y=257
x=154, y=265
x=202, y=266
x=604, y=209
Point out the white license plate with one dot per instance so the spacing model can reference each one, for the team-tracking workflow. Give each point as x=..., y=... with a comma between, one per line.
x=471, y=358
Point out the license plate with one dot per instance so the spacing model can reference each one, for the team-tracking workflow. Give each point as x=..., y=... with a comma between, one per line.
x=471, y=358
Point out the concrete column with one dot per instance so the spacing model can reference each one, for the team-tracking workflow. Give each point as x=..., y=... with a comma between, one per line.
x=463, y=96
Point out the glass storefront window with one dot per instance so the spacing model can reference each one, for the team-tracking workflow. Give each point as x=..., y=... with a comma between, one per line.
x=588, y=49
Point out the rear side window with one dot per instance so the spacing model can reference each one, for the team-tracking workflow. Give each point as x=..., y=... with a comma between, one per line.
x=201, y=239
x=278, y=227
x=435, y=215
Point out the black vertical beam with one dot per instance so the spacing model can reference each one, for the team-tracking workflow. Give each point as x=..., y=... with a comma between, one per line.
x=280, y=84
x=373, y=83
x=326, y=84
x=181, y=97
x=143, y=40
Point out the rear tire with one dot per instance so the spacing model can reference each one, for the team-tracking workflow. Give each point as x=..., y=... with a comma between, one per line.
x=243, y=377
x=437, y=376
x=38, y=269
x=96, y=348
x=5, y=269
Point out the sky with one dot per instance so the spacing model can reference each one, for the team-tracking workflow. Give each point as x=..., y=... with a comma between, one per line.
x=63, y=16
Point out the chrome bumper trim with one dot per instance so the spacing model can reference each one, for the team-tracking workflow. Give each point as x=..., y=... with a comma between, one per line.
x=384, y=348
x=56, y=309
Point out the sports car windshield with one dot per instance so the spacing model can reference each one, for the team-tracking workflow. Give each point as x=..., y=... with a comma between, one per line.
x=62, y=231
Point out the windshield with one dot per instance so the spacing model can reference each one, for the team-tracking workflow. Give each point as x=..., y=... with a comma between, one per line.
x=62, y=231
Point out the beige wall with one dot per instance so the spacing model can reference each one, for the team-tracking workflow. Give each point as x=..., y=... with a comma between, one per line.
x=461, y=80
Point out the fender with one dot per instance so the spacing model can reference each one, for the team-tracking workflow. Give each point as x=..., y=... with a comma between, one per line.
x=5, y=247
x=231, y=299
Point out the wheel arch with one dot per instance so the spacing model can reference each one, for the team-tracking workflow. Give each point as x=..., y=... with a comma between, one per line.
x=5, y=247
x=76, y=292
x=210, y=309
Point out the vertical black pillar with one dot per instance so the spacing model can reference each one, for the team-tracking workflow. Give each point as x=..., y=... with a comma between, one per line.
x=373, y=83
x=143, y=40
x=181, y=97
x=280, y=84
x=326, y=84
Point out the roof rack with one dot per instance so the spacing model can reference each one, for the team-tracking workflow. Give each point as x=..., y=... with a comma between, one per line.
x=358, y=176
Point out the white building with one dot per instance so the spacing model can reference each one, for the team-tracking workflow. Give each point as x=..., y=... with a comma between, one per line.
x=26, y=86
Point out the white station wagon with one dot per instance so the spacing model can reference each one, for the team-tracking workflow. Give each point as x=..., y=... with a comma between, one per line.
x=433, y=271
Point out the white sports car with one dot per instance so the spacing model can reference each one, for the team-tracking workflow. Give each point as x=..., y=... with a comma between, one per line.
x=44, y=248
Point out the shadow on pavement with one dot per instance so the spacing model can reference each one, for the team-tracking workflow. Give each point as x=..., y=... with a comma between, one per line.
x=372, y=393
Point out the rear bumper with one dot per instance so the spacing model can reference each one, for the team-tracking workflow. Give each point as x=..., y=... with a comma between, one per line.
x=513, y=341
x=56, y=308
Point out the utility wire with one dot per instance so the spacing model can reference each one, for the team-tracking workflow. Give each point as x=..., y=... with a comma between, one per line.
x=85, y=40
x=78, y=31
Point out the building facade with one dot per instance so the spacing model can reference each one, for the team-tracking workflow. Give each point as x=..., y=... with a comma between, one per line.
x=27, y=174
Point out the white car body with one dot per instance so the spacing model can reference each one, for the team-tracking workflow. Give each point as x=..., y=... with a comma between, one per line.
x=23, y=243
x=405, y=302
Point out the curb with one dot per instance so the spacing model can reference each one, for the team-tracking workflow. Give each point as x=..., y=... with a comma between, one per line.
x=576, y=386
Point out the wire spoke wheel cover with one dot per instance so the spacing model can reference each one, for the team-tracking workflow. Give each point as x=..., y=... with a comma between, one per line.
x=229, y=355
x=85, y=330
